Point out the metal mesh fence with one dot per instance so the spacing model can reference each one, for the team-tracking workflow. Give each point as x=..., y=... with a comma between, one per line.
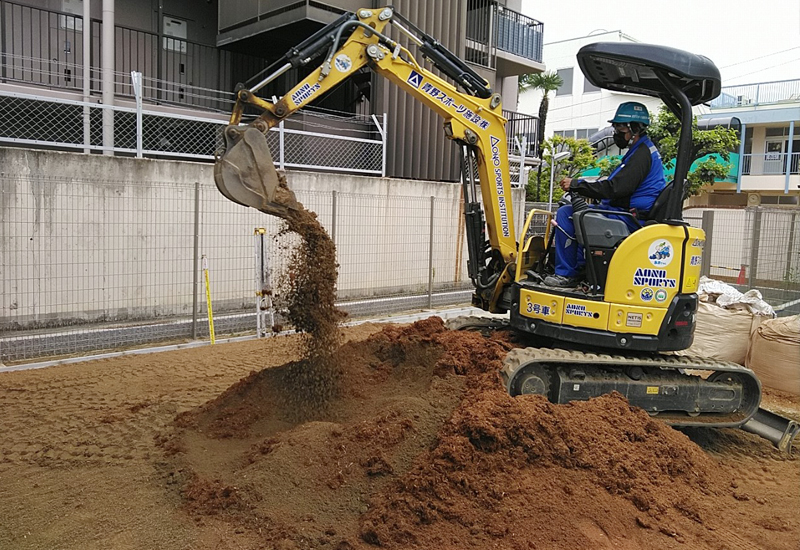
x=31, y=120
x=99, y=265
x=754, y=248
x=346, y=144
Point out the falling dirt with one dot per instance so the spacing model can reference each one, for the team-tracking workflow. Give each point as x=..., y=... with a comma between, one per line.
x=309, y=299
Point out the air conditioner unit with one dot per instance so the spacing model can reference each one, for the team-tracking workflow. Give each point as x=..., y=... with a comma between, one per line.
x=742, y=100
x=753, y=199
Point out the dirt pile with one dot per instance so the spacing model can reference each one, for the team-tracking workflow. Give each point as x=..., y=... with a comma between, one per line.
x=423, y=448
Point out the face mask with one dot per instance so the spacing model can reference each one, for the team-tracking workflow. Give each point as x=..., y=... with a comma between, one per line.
x=620, y=141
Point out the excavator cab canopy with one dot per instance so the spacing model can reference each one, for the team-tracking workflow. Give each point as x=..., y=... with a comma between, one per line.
x=680, y=79
x=641, y=68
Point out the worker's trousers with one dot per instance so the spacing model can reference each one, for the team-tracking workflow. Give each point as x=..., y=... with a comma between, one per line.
x=569, y=254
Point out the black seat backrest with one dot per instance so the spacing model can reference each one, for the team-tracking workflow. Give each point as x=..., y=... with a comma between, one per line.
x=601, y=232
x=599, y=236
x=658, y=212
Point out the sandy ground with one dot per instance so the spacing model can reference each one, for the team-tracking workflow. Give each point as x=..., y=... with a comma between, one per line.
x=83, y=462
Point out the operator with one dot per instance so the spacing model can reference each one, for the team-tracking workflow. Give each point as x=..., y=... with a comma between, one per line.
x=632, y=187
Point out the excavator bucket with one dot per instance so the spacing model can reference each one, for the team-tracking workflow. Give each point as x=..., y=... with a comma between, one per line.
x=245, y=173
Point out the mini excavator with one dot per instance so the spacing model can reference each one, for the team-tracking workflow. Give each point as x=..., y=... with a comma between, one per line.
x=640, y=295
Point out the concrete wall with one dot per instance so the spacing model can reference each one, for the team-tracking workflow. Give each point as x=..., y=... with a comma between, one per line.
x=86, y=237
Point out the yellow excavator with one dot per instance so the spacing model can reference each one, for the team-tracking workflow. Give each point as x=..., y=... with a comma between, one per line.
x=640, y=294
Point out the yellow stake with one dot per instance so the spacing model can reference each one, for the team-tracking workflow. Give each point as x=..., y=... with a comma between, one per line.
x=208, y=300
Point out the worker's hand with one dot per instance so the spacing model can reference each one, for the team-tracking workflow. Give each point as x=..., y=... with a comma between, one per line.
x=565, y=183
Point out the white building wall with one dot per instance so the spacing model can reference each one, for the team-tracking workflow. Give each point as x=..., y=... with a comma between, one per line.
x=579, y=110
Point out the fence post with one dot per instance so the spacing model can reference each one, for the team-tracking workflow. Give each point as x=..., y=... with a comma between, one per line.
x=385, y=137
x=790, y=274
x=136, y=80
x=430, y=258
x=3, y=42
x=789, y=153
x=86, y=71
x=708, y=228
x=333, y=217
x=754, y=245
x=281, y=159
x=195, y=257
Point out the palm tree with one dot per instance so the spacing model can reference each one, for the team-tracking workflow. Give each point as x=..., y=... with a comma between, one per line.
x=546, y=82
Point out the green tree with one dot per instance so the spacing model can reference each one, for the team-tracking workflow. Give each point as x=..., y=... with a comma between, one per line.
x=665, y=130
x=546, y=82
x=581, y=158
x=607, y=164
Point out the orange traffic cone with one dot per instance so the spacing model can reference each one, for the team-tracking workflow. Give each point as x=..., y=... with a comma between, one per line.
x=740, y=278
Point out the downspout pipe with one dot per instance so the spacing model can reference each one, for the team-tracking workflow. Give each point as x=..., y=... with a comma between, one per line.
x=742, y=134
x=107, y=47
x=789, y=153
x=87, y=73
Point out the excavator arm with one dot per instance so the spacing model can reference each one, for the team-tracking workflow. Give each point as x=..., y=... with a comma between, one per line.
x=244, y=171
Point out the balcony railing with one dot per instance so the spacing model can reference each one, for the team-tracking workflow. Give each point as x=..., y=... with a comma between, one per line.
x=769, y=164
x=521, y=126
x=764, y=93
x=492, y=27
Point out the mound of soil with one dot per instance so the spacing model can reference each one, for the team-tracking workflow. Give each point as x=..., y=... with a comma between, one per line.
x=423, y=448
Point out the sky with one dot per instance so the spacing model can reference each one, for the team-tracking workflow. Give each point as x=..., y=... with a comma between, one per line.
x=749, y=41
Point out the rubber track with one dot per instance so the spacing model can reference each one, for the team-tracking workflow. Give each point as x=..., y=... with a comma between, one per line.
x=477, y=322
x=519, y=357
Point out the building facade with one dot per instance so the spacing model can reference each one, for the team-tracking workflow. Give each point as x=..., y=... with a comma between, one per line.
x=578, y=109
x=769, y=163
x=192, y=55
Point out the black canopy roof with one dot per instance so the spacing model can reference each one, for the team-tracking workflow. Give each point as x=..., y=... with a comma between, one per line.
x=635, y=68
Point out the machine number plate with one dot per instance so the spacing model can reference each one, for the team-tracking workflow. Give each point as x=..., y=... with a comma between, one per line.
x=652, y=390
x=634, y=320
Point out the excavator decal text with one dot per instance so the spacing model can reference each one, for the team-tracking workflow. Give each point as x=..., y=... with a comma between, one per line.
x=653, y=277
x=448, y=101
x=498, y=183
x=305, y=92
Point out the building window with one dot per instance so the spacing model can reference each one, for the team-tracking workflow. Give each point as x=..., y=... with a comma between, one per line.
x=175, y=34
x=581, y=133
x=748, y=140
x=773, y=132
x=566, y=87
x=74, y=22
x=588, y=87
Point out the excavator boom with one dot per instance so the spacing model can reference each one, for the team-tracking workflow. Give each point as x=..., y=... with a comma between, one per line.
x=245, y=173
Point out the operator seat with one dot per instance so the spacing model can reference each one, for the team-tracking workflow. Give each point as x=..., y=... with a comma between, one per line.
x=658, y=212
x=599, y=237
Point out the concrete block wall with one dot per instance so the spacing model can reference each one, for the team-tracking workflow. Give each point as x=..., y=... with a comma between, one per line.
x=92, y=238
